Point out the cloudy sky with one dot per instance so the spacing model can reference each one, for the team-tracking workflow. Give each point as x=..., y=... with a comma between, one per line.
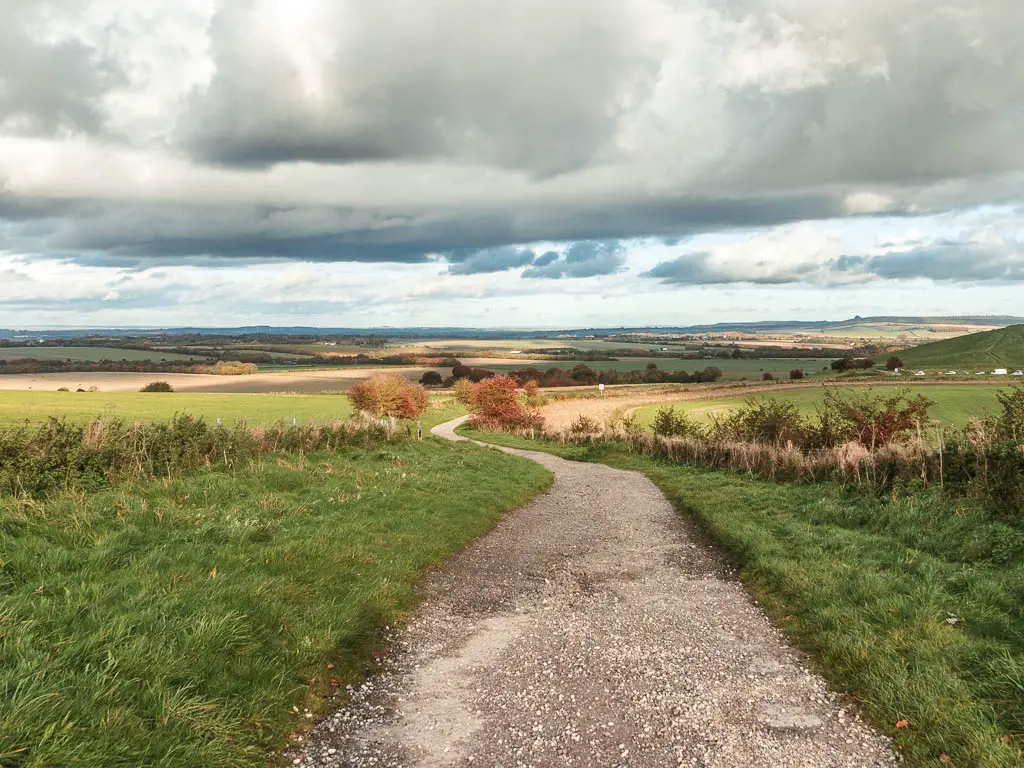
x=513, y=163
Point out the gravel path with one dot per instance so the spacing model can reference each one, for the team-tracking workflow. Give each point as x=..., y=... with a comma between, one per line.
x=592, y=627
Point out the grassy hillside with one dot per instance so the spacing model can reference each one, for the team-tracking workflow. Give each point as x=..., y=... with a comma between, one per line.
x=190, y=622
x=1003, y=348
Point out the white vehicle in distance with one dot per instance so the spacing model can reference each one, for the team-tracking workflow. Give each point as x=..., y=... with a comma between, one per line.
x=1018, y=373
x=919, y=373
x=999, y=372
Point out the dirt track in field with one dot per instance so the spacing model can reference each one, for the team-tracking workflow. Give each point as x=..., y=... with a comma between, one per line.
x=592, y=627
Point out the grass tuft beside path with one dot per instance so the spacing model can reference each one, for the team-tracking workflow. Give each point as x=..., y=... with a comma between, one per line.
x=913, y=604
x=177, y=623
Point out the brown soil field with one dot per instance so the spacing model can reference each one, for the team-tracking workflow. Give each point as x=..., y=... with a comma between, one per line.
x=308, y=381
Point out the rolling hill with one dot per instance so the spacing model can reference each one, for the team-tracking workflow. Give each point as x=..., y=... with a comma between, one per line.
x=1002, y=348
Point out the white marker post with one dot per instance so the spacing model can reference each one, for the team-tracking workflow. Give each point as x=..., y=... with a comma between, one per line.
x=600, y=388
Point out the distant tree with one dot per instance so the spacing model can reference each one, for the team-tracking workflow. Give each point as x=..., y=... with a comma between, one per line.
x=796, y=373
x=431, y=379
x=479, y=374
x=157, y=386
x=767, y=376
x=583, y=374
x=460, y=371
x=893, y=363
x=737, y=354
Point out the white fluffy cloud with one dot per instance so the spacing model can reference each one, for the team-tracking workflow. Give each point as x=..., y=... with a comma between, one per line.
x=243, y=131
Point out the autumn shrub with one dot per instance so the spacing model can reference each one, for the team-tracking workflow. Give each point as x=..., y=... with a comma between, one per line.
x=495, y=404
x=157, y=386
x=389, y=395
x=876, y=419
x=227, y=368
x=463, y=391
x=584, y=425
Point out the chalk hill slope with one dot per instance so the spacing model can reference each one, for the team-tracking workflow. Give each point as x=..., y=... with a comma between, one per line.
x=1002, y=348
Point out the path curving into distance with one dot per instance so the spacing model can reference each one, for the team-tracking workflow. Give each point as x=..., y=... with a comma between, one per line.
x=592, y=627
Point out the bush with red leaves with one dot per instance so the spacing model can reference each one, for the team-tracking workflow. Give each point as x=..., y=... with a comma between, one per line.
x=495, y=402
x=389, y=394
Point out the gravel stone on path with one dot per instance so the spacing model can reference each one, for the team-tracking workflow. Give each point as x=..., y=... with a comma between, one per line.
x=592, y=627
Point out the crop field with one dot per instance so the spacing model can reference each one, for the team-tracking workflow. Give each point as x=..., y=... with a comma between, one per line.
x=91, y=354
x=731, y=369
x=954, y=404
x=18, y=407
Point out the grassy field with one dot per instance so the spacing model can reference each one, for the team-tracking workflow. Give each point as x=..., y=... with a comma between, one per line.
x=90, y=354
x=177, y=623
x=912, y=603
x=953, y=403
x=731, y=369
x=17, y=407
x=1002, y=348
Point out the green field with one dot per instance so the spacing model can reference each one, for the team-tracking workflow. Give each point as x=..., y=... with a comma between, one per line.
x=17, y=407
x=91, y=354
x=1002, y=348
x=953, y=403
x=910, y=603
x=176, y=623
x=731, y=369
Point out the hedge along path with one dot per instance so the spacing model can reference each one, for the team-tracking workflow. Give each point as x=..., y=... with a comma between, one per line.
x=592, y=627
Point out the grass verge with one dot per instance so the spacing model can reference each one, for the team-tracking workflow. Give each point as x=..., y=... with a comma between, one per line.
x=177, y=623
x=913, y=604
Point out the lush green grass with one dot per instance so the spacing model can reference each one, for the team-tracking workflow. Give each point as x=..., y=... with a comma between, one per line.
x=953, y=403
x=1002, y=348
x=21, y=406
x=913, y=604
x=90, y=354
x=177, y=623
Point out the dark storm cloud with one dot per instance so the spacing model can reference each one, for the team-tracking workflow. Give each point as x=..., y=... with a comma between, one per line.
x=132, y=235
x=48, y=87
x=463, y=262
x=583, y=259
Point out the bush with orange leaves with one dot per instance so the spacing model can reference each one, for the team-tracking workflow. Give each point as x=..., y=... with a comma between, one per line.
x=495, y=404
x=391, y=395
